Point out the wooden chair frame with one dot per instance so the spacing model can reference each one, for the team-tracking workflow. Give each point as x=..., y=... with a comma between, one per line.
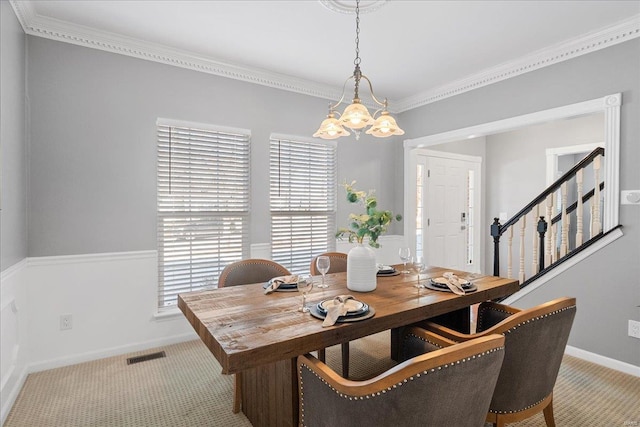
x=516, y=317
x=449, y=354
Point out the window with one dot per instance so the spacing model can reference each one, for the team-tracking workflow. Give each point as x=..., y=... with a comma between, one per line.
x=420, y=193
x=302, y=199
x=203, y=205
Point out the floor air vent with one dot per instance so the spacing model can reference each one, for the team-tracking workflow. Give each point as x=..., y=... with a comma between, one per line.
x=145, y=357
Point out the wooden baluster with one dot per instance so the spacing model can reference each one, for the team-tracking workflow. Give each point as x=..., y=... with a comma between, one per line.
x=579, y=209
x=596, y=224
x=564, y=237
x=534, y=251
x=548, y=259
x=554, y=240
x=523, y=226
x=568, y=228
x=509, y=252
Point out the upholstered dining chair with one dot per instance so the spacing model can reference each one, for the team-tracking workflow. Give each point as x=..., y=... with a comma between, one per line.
x=535, y=340
x=242, y=273
x=451, y=386
x=337, y=264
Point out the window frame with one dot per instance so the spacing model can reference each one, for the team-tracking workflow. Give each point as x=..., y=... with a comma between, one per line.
x=300, y=253
x=198, y=255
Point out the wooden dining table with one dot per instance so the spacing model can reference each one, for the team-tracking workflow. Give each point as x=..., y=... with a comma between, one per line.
x=260, y=335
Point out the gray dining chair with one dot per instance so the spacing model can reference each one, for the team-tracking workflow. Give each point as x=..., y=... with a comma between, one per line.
x=535, y=340
x=450, y=386
x=242, y=273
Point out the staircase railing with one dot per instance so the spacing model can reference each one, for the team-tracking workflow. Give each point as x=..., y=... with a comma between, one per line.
x=551, y=242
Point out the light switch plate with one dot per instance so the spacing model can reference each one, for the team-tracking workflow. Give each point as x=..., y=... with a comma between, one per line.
x=630, y=197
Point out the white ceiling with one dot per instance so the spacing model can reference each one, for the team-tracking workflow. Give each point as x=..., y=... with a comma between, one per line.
x=411, y=50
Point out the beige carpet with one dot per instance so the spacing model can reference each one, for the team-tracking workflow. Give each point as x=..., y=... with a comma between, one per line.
x=186, y=389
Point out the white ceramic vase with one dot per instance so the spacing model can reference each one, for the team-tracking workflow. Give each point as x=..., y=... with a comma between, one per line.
x=361, y=269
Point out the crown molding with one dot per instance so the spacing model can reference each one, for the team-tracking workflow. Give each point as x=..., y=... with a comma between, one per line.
x=53, y=29
x=606, y=37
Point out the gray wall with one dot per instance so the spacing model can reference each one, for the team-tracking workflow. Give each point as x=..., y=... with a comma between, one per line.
x=606, y=285
x=13, y=182
x=93, y=144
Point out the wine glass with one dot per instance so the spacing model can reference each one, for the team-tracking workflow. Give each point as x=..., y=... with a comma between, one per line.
x=305, y=284
x=419, y=266
x=322, y=264
x=405, y=255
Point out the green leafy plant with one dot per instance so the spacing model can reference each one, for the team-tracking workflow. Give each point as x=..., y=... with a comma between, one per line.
x=372, y=224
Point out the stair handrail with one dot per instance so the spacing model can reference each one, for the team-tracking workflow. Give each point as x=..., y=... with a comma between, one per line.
x=552, y=188
x=498, y=229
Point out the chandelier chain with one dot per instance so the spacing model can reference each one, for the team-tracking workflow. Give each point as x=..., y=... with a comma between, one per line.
x=357, y=60
x=356, y=117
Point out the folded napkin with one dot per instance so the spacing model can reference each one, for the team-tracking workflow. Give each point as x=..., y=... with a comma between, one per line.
x=277, y=281
x=453, y=283
x=338, y=309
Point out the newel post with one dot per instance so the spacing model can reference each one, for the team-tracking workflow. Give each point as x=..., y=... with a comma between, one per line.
x=542, y=229
x=495, y=232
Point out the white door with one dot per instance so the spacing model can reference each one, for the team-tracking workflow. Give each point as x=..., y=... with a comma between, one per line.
x=447, y=200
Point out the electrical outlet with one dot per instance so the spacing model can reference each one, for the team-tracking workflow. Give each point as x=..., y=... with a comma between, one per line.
x=634, y=328
x=66, y=322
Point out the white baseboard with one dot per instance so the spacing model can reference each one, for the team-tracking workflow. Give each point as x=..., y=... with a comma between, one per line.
x=607, y=362
x=109, y=352
x=12, y=395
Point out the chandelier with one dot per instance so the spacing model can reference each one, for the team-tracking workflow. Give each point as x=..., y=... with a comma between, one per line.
x=356, y=116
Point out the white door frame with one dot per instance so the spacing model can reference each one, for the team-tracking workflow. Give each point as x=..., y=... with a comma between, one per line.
x=609, y=105
x=477, y=235
x=554, y=153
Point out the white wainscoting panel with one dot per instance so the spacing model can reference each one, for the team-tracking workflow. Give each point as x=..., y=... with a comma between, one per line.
x=13, y=335
x=112, y=299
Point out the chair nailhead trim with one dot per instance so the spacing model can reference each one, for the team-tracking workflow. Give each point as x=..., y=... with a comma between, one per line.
x=390, y=388
x=426, y=340
x=421, y=339
x=533, y=319
x=518, y=410
x=485, y=310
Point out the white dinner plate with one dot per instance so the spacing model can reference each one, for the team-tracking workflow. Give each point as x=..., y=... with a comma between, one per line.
x=352, y=305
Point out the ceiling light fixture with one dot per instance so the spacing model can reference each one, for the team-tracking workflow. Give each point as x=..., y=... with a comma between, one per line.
x=356, y=116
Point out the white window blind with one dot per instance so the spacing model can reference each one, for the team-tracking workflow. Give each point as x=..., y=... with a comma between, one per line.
x=203, y=205
x=302, y=200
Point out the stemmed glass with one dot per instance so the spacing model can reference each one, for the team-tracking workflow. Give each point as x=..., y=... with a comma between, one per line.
x=322, y=264
x=419, y=266
x=305, y=284
x=405, y=255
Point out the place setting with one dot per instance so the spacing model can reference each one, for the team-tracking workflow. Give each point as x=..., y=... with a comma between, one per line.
x=341, y=309
x=449, y=282
x=386, y=271
x=282, y=284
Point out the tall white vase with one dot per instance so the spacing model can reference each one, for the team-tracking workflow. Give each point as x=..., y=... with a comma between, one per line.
x=361, y=269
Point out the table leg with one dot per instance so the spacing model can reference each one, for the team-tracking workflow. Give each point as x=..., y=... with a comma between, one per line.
x=270, y=394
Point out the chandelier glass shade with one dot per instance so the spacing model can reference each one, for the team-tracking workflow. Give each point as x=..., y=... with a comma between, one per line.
x=331, y=128
x=356, y=116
